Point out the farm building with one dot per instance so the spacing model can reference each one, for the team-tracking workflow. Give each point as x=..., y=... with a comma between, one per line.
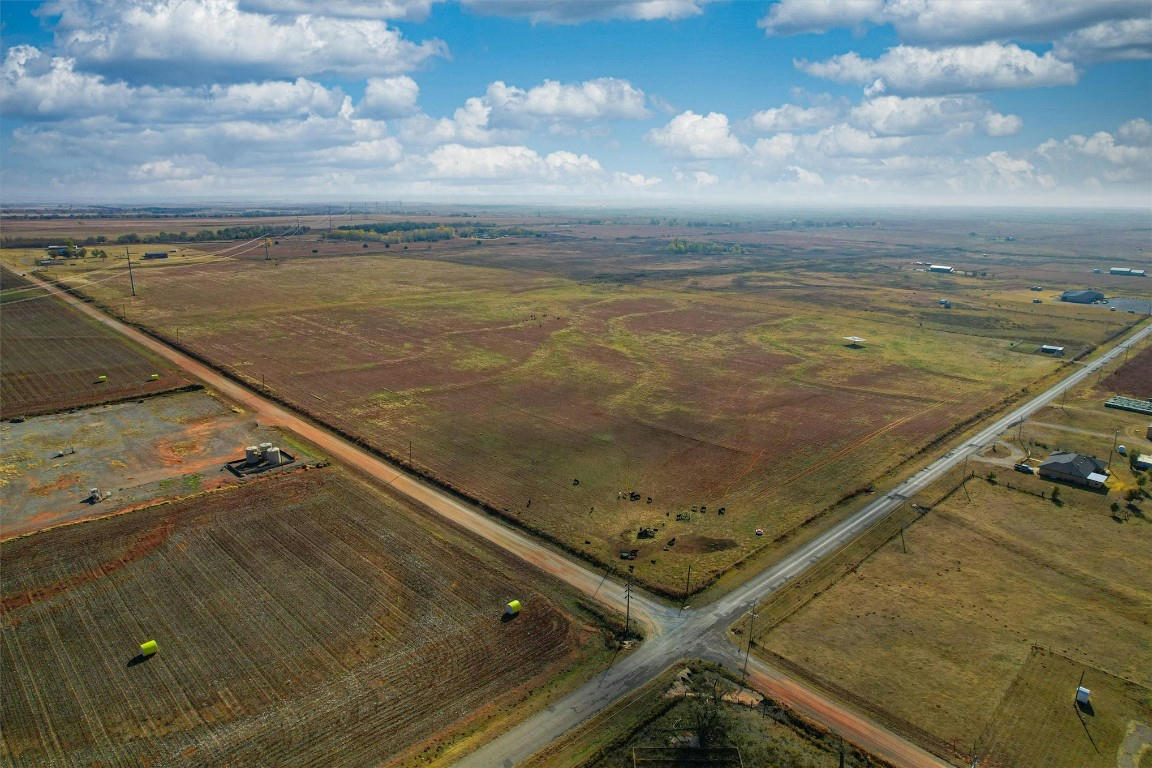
x=941, y=268
x=1126, y=271
x=1074, y=468
x=1052, y=349
x=1082, y=297
x=1143, y=461
x=156, y=255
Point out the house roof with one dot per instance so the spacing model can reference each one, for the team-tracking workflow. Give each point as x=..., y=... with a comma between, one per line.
x=1073, y=464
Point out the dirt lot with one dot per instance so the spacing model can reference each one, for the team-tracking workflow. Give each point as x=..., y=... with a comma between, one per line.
x=53, y=356
x=1134, y=379
x=546, y=376
x=135, y=452
x=363, y=631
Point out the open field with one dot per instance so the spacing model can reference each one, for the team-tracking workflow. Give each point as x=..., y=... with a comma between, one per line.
x=135, y=452
x=1038, y=723
x=663, y=714
x=544, y=376
x=53, y=356
x=930, y=640
x=303, y=619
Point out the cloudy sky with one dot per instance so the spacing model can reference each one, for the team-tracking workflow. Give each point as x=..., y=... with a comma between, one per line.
x=640, y=101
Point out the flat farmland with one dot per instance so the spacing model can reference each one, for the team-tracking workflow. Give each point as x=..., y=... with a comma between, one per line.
x=306, y=619
x=53, y=356
x=930, y=640
x=510, y=371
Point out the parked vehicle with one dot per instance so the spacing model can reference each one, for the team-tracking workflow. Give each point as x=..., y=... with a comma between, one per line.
x=1025, y=468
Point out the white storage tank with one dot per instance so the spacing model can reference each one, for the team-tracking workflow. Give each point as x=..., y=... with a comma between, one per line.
x=252, y=455
x=272, y=456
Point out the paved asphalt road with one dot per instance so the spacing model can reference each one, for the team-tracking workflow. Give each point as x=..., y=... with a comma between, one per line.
x=671, y=634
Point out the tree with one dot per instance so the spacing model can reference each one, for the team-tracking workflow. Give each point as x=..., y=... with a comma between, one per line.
x=709, y=721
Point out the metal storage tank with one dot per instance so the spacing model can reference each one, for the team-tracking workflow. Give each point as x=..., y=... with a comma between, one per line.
x=251, y=455
x=272, y=456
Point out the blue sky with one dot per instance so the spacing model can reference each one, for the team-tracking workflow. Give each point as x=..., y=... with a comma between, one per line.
x=641, y=101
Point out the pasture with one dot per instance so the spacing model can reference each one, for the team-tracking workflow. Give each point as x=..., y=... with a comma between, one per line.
x=304, y=619
x=54, y=356
x=547, y=376
x=930, y=639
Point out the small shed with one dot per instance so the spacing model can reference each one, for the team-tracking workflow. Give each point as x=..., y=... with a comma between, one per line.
x=1083, y=695
x=512, y=609
x=942, y=268
x=1143, y=461
x=156, y=255
x=1052, y=349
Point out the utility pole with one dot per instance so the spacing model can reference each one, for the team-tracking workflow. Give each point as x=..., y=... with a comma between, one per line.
x=266, y=256
x=687, y=584
x=1115, y=432
x=628, y=605
x=410, y=453
x=748, y=649
x=131, y=281
x=1063, y=398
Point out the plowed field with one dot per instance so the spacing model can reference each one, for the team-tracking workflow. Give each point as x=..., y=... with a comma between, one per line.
x=302, y=620
x=53, y=356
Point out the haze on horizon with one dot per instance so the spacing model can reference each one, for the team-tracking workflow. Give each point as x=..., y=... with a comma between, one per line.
x=638, y=102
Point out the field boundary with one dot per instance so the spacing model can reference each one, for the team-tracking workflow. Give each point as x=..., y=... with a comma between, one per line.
x=111, y=401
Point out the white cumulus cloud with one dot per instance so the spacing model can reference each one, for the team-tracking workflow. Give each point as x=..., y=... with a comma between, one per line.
x=1129, y=39
x=902, y=116
x=603, y=98
x=575, y=11
x=790, y=117
x=176, y=39
x=389, y=96
x=950, y=20
x=912, y=70
x=697, y=136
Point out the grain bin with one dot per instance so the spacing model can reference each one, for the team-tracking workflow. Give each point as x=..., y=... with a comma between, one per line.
x=512, y=609
x=148, y=647
x=273, y=457
x=251, y=456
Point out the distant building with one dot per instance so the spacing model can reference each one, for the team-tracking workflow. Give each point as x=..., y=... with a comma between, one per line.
x=1082, y=297
x=1143, y=461
x=1074, y=468
x=1036, y=288
x=1127, y=271
x=941, y=268
x=156, y=255
x=1052, y=349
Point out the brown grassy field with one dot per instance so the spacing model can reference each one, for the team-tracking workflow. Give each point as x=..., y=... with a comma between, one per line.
x=1038, y=723
x=53, y=356
x=301, y=620
x=930, y=640
x=546, y=375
